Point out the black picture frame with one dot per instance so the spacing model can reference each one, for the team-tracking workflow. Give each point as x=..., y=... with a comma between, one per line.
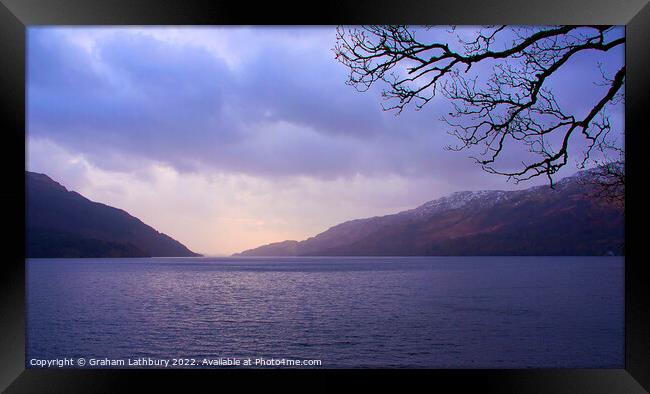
x=16, y=15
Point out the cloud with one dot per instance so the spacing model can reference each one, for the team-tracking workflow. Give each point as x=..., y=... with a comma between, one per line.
x=280, y=110
x=263, y=101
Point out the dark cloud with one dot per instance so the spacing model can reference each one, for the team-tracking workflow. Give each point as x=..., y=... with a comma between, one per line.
x=281, y=109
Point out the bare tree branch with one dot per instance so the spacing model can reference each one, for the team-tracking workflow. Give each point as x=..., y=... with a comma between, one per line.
x=514, y=103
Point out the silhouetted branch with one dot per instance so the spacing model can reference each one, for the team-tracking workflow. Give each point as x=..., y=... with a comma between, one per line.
x=513, y=104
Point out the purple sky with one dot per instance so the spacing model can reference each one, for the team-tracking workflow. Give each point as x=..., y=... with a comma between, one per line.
x=228, y=138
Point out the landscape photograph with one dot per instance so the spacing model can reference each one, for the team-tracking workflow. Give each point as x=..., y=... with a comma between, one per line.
x=325, y=197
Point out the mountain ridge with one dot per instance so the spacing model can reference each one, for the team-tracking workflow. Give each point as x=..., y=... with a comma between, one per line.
x=533, y=221
x=64, y=223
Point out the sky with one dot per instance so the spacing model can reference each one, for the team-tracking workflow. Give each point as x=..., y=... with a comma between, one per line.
x=227, y=138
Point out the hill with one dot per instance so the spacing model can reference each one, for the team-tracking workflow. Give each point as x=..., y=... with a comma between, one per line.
x=63, y=223
x=566, y=220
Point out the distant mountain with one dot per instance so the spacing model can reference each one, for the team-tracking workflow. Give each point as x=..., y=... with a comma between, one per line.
x=566, y=220
x=62, y=223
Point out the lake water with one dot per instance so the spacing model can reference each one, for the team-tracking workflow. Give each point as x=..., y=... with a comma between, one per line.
x=422, y=312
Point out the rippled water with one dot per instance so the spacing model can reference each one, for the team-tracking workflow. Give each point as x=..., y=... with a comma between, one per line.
x=436, y=312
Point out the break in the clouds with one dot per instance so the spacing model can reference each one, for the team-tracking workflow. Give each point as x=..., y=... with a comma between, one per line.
x=240, y=136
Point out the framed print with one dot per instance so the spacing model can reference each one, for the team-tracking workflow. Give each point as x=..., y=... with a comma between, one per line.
x=206, y=192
